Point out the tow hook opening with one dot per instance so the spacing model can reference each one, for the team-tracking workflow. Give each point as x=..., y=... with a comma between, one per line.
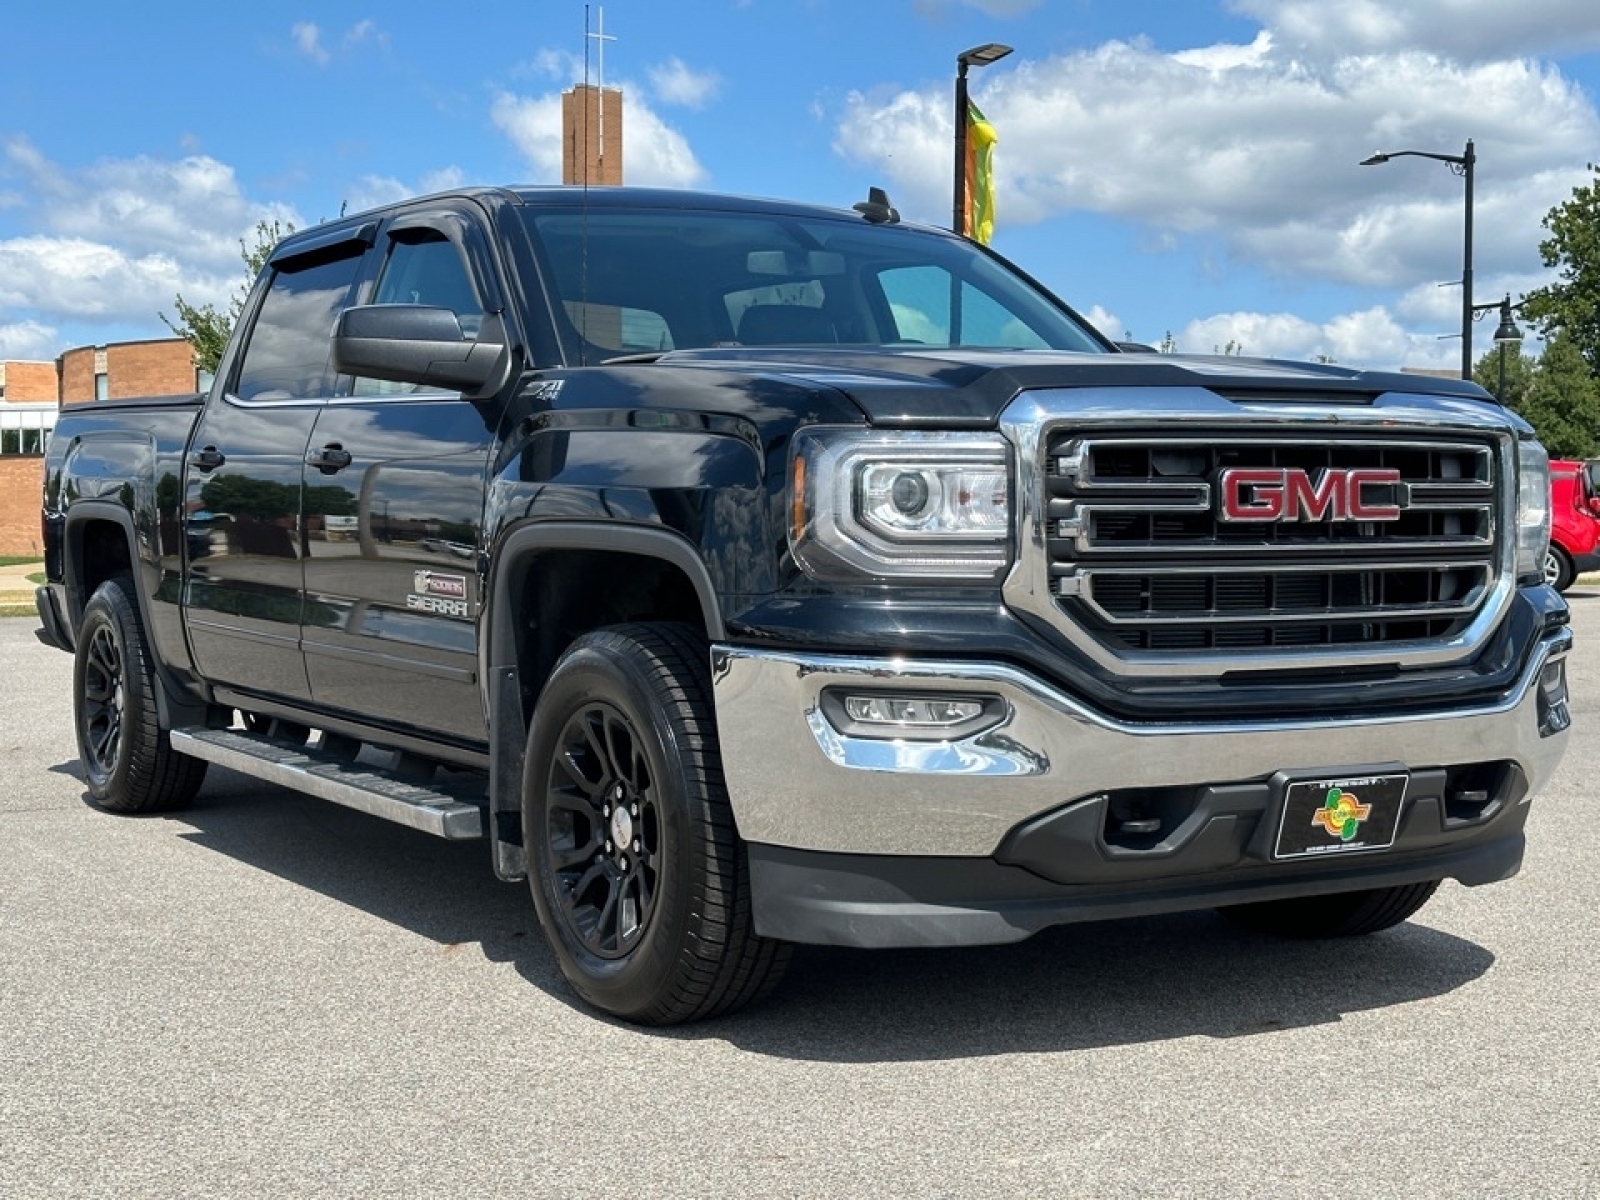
x=1475, y=792
x=1142, y=818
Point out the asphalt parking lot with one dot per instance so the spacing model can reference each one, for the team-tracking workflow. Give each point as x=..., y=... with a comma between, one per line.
x=269, y=995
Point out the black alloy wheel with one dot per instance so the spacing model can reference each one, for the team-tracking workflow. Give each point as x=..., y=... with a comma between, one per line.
x=636, y=869
x=128, y=763
x=102, y=700
x=604, y=841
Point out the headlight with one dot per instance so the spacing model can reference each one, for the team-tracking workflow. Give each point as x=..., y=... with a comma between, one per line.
x=1533, y=510
x=900, y=505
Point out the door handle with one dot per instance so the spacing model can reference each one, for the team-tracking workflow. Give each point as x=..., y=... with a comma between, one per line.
x=208, y=460
x=331, y=459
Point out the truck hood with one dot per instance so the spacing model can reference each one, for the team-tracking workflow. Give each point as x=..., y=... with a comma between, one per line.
x=916, y=386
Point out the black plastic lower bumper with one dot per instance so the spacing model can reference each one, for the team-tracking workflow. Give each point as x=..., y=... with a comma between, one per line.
x=883, y=901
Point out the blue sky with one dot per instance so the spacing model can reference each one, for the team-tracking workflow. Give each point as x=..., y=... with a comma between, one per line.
x=1165, y=165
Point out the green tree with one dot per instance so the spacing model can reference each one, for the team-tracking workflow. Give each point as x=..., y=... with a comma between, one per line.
x=1571, y=305
x=1562, y=401
x=204, y=327
x=1520, y=371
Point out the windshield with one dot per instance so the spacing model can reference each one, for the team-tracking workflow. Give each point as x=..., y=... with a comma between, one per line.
x=641, y=281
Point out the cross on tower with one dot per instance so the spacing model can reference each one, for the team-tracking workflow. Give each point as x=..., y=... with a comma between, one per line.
x=602, y=37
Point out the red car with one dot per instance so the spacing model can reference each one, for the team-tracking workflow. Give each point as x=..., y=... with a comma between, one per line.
x=1574, y=522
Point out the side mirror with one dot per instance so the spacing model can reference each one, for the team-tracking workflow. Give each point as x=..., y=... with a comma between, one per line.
x=415, y=343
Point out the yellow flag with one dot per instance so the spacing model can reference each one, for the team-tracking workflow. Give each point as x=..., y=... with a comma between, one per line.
x=979, y=214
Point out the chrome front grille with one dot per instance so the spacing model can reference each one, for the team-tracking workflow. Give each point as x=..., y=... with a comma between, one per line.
x=1155, y=546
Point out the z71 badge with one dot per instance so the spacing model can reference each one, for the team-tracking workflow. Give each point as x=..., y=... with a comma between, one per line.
x=437, y=593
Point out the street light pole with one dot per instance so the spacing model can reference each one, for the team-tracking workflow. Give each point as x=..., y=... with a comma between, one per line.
x=978, y=56
x=1462, y=164
x=1467, y=159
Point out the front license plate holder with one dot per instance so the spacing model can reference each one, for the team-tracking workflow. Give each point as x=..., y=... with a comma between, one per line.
x=1338, y=814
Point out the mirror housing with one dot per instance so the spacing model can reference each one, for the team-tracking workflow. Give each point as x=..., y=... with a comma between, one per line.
x=416, y=343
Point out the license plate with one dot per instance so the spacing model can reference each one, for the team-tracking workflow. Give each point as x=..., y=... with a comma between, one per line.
x=1339, y=815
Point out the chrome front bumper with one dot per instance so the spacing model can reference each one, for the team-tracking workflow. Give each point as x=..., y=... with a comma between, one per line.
x=797, y=781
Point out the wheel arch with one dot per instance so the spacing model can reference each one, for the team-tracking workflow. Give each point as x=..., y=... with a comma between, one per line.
x=550, y=583
x=100, y=542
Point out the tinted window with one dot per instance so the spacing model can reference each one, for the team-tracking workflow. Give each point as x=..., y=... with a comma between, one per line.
x=427, y=269
x=701, y=274
x=919, y=301
x=424, y=267
x=287, y=356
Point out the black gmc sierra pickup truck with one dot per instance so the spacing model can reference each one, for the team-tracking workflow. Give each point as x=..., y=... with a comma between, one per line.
x=748, y=573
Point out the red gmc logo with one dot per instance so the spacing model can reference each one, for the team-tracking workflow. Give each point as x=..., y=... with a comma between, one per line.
x=1250, y=494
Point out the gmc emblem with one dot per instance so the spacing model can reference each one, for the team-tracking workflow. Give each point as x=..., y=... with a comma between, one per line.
x=1266, y=494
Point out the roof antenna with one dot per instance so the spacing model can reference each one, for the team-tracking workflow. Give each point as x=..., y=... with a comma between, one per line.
x=583, y=244
x=877, y=209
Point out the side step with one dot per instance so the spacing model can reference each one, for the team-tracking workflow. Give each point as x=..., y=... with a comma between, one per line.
x=435, y=809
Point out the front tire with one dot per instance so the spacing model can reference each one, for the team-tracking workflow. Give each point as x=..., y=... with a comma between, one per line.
x=637, y=872
x=128, y=763
x=1343, y=914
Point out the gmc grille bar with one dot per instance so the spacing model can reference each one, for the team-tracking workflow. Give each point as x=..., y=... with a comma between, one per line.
x=1262, y=539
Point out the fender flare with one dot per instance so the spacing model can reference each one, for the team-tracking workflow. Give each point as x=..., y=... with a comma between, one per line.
x=173, y=705
x=77, y=516
x=517, y=551
x=513, y=558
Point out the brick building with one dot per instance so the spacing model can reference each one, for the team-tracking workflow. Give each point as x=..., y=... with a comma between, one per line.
x=591, y=136
x=32, y=392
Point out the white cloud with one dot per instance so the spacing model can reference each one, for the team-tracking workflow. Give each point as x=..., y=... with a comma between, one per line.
x=1227, y=57
x=1258, y=147
x=89, y=279
x=675, y=82
x=533, y=123
x=191, y=208
x=29, y=341
x=365, y=31
x=308, y=40
x=654, y=154
x=1462, y=29
x=112, y=243
x=375, y=191
x=1370, y=339
x=1106, y=322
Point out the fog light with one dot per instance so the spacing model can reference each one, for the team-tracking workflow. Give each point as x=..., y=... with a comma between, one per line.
x=924, y=712
x=912, y=716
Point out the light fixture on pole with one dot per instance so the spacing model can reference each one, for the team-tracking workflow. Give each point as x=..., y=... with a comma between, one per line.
x=1507, y=335
x=1462, y=165
x=978, y=56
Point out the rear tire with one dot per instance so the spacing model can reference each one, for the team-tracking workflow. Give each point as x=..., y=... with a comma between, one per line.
x=128, y=763
x=637, y=872
x=1343, y=914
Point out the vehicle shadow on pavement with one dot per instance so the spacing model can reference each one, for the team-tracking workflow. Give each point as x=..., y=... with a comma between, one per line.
x=1075, y=987
x=1109, y=983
